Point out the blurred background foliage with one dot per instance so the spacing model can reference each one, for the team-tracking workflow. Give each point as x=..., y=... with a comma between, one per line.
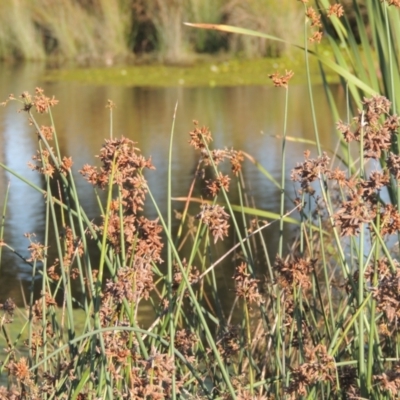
x=111, y=31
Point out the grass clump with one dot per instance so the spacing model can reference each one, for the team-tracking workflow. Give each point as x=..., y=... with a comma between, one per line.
x=318, y=319
x=297, y=324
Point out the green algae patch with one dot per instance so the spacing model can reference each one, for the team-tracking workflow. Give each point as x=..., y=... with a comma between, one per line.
x=223, y=73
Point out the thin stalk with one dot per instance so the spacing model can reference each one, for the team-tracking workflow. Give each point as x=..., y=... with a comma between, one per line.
x=196, y=305
x=105, y=230
x=341, y=333
x=55, y=138
x=122, y=231
x=3, y=219
x=140, y=333
x=110, y=106
x=370, y=359
x=169, y=256
x=361, y=350
x=45, y=281
x=283, y=173
x=392, y=93
x=243, y=215
x=248, y=334
x=310, y=90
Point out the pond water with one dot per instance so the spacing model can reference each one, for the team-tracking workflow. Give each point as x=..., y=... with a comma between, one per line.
x=247, y=118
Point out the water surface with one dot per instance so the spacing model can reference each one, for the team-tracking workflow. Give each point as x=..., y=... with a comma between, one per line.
x=248, y=118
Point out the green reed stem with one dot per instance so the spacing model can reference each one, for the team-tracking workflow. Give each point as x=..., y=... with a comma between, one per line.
x=169, y=250
x=371, y=341
x=243, y=215
x=3, y=219
x=361, y=341
x=248, y=345
x=44, y=281
x=55, y=138
x=98, y=331
x=340, y=333
x=390, y=57
x=283, y=174
x=309, y=85
x=196, y=305
x=231, y=213
x=105, y=232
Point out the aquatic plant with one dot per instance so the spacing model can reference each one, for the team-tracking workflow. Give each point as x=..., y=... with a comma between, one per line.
x=319, y=320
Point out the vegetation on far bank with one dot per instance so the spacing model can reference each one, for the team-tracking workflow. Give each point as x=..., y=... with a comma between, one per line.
x=109, y=31
x=206, y=72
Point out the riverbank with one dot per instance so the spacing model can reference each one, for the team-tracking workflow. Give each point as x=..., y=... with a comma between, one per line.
x=208, y=72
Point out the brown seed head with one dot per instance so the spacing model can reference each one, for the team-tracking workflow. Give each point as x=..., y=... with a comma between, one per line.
x=281, y=80
x=336, y=10
x=215, y=217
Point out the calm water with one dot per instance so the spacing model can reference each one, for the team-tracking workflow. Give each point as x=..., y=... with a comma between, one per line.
x=246, y=118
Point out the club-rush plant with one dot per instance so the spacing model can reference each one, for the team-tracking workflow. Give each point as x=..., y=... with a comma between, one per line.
x=315, y=317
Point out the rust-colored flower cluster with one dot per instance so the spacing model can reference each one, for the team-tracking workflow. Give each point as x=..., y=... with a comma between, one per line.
x=121, y=160
x=315, y=20
x=41, y=102
x=191, y=271
x=281, y=80
x=310, y=170
x=200, y=139
x=37, y=250
x=335, y=10
x=389, y=381
x=185, y=342
x=319, y=367
x=43, y=163
x=360, y=204
x=215, y=185
x=228, y=342
x=236, y=158
x=395, y=3
x=293, y=276
x=19, y=371
x=216, y=219
x=386, y=292
x=246, y=288
x=73, y=248
x=352, y=214
x=377, y=136
x=47, y=132
x=294, y=273
x=348, y=376
x=8, y=307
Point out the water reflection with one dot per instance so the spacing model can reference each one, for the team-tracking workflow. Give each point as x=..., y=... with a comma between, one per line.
x=246, y=118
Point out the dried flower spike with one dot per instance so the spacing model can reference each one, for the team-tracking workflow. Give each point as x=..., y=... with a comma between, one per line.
x=215, y=217
x=316, y=37
x=281, y=80
x=199, y=136
x=314, y=17
x=110, y=105
x=395, y=3
x=336, y=10
x=43, y=103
